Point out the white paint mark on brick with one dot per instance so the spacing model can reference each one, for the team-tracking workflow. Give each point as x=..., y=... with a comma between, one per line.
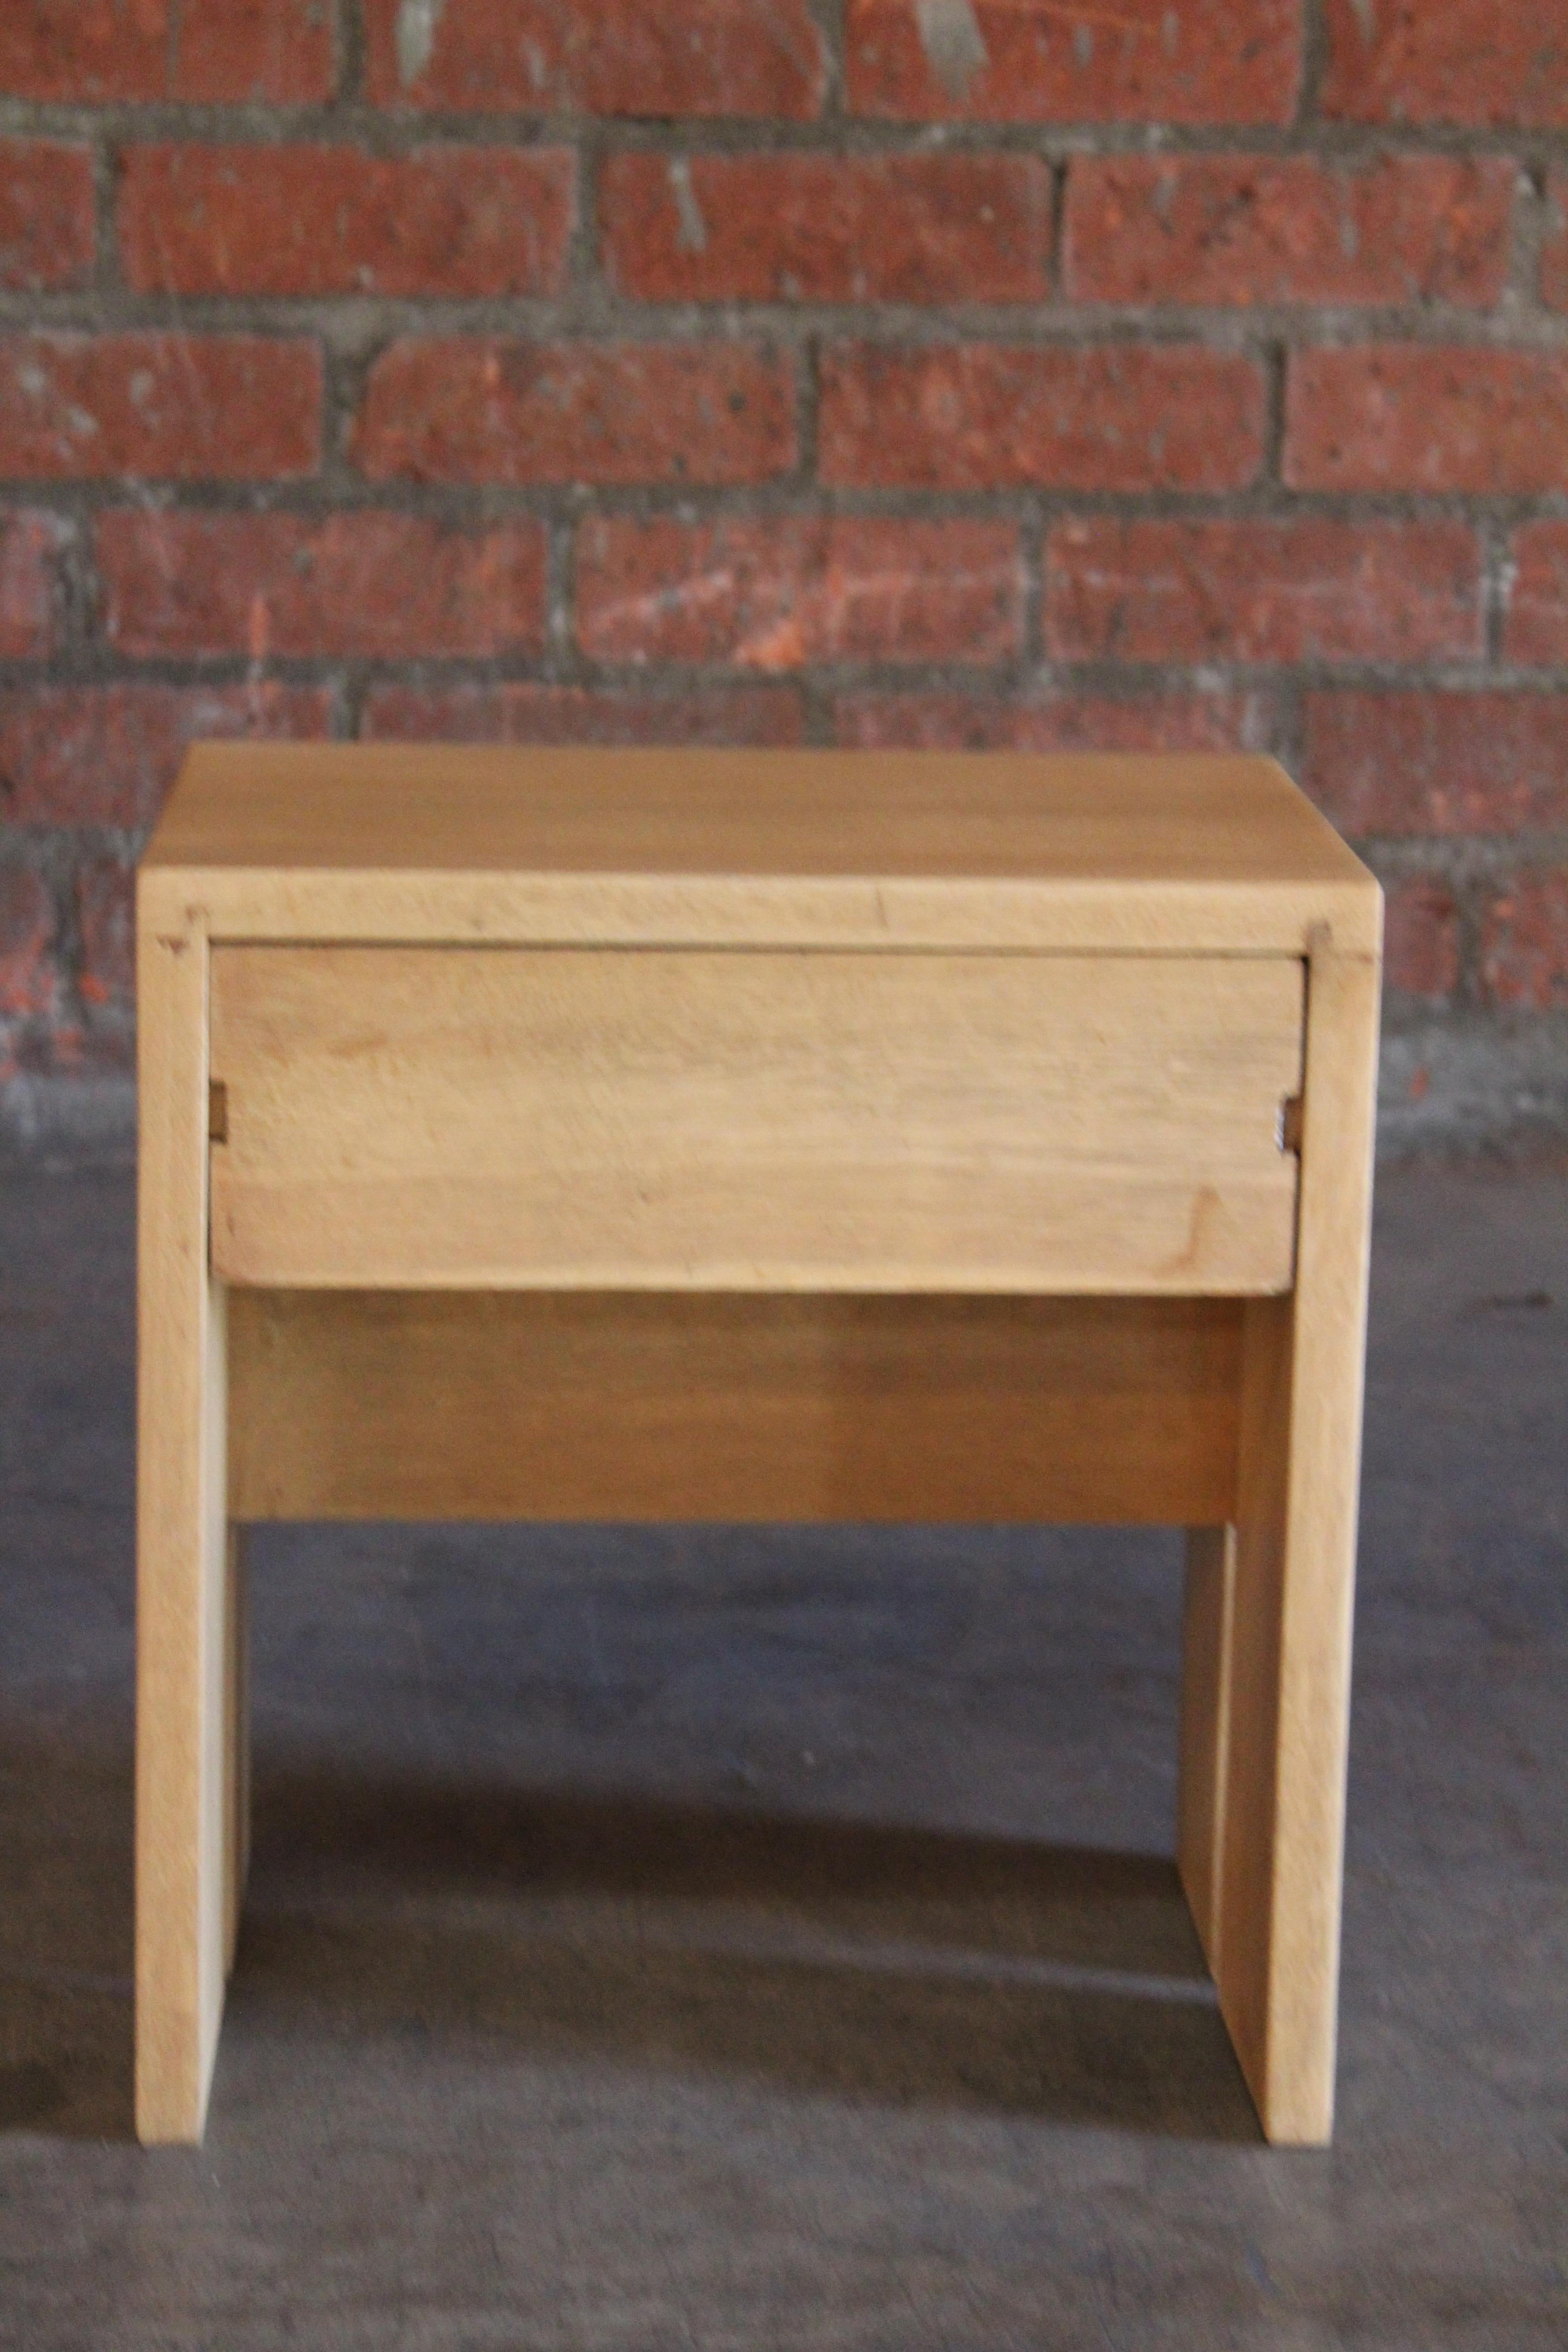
x=417, y=22
x=693, y=232
x=952, y=38
x=1366, y=18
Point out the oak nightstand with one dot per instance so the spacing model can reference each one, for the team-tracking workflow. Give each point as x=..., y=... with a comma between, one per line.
x=770, y=1135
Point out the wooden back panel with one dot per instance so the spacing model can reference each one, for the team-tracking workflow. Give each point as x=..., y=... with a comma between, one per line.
x=639, y=1405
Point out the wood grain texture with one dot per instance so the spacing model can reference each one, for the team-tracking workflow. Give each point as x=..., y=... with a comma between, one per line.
x=1244, y=1970
x=1207, y=1623
x=1132, y=855
x=774, y=1121
x=236, y=1729
x=182, y=1824
x=1288, y=1700
x=431, y=1405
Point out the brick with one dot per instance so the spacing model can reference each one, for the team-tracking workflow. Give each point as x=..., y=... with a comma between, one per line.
x=475, y=409
x=318, y=220
x=48, y=226
x=170, y=407
x=1202, y=61
x=1306, y=589
x=1447, y=61
x=1113, y=416
x=1433, y=762
x=1421, y=937
x=27, y=937
x=1421, y=417
x=782, y=594
x=106, y=918
x=79, y=755
x=1524, y=941
x=757, y=58
x=1057, y=722
x=1236, y=229
x=828, y=228
x=474, y=713
x=1554, y=248
x=367, y=584
x=28, y=624
x=1535, y=628
x=223, y=52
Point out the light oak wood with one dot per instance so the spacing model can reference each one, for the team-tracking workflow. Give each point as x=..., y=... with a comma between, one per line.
x=424, y=1404
x=1286, y=1710
x=235, y=1719
x=566, y=1120
x=184, y=1870
x=1207, y=1625
x=429, y=842
x=1002, y=1024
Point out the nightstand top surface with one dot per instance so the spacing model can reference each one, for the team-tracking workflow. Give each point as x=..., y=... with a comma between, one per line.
x=899, y=843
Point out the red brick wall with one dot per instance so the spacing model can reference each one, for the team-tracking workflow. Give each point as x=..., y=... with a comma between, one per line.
x=1158, y=372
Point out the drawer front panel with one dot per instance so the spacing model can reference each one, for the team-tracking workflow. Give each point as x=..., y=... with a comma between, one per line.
x=565, y=1118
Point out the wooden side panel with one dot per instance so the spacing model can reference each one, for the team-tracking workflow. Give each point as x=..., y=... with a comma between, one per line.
x=1299, y=1481
x=1245, y=1971
x=558, y=1119
x=236, y=1741
x=1208, y=1618
x=182, y=1822
x=586, y=1405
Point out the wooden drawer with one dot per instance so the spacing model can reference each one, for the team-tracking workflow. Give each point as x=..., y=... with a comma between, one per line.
x=496, y=1118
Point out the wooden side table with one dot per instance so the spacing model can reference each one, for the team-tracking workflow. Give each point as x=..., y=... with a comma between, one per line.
x=769, y=1135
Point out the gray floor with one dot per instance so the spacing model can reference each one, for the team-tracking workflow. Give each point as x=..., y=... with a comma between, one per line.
x=710, y=1940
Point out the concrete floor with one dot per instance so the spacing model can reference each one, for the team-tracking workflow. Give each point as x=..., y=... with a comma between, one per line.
x=703, y=1940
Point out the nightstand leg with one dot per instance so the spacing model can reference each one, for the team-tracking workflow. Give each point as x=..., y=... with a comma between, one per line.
x=1266, y=1683
x=187, y=1661
x=236, y=1739
x=1209, y=1617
